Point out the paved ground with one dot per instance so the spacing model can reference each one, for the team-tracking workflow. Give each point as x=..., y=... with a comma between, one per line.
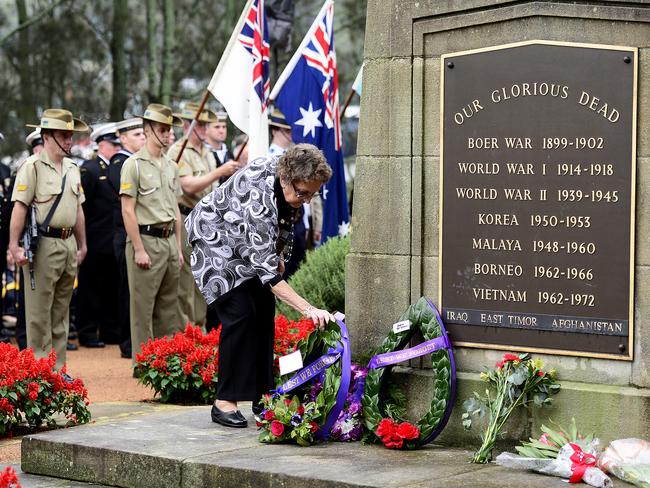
x=108, y=378
x=179, y=447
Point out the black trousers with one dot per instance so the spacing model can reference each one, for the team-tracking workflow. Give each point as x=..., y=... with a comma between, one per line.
x=123, y=307
x=246, y=343
x=97, y=299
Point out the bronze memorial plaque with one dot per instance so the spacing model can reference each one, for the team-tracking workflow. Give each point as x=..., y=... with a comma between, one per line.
x=537, y=197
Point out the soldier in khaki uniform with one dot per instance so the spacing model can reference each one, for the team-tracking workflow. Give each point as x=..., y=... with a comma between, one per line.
x=38, y=182
x=149, y=188
x=198, y=173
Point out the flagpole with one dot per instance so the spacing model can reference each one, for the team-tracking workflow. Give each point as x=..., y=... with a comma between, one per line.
x=296, y=56
x=347, y=102
x=241, y=149
x=206, y=95
x=193, y=124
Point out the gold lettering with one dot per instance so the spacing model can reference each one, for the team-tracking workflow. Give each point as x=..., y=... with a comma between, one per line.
x=495, y=294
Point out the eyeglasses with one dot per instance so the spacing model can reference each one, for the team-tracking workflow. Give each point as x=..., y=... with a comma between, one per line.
x=303, y=195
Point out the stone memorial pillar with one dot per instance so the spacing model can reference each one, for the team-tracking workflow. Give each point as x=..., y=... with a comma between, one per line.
x=503, y=171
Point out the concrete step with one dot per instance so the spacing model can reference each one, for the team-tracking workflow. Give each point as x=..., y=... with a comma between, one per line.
x=181, y=447
x=36, y=481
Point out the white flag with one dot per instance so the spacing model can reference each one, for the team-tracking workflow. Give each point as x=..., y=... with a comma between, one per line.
x=241, y=80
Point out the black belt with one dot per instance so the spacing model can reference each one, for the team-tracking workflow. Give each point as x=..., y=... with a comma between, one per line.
x=150, y=230
x=184, y=210
x=62, y=233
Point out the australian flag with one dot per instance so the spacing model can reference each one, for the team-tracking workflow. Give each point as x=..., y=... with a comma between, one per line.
x=307, y=93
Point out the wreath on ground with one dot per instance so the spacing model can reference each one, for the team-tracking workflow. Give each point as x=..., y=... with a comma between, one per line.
x=379, y=420
x=287, y=418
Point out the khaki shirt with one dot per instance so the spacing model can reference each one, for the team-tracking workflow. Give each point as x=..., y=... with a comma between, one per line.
x=38, y=182
x=193, y=163
x=153, y=182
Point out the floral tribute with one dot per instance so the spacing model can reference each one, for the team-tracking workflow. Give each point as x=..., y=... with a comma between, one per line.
x=393, y=434
x=32, y=392
x=387, y=402
x=300, y=417
x=285, y=419
x=182, y=368
x=349, y=424
x=8, y=478
x=518, y=381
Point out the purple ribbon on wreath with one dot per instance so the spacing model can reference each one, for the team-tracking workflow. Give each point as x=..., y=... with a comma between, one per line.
x=315, y=369
x=422, y=349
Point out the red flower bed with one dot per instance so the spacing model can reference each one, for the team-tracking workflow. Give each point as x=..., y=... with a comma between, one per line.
x=289, y=334
x=184, y=368
x=32, y=392
x=9, y=479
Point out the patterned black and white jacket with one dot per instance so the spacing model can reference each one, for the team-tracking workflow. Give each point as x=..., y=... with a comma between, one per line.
x=233, y=231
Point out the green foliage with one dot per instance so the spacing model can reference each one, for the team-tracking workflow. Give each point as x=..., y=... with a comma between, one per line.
x=421, y=316
x=321, y=278
x=286, y=419
x=549, y=444
x=516, y=381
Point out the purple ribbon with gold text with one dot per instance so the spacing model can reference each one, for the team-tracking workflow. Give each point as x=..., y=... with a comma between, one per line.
x=394, y=357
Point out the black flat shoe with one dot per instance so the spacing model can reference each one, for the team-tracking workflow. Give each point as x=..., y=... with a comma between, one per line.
x=257, y=408
x=228, y=419
x=93, y=343
x=71, y=346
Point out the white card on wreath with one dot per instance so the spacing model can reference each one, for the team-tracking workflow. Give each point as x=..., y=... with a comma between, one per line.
x=290, y=363
x=401, y=326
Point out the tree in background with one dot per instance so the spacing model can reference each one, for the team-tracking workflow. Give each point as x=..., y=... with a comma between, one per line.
x=120, y=23
x=107, y=60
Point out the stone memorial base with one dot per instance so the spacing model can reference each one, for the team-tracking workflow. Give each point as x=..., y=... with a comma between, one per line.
x=181, y=447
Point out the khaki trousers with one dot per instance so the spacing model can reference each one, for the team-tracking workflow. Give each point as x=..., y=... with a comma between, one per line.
x=191, y=304
x=154, y=291
x=47, y=308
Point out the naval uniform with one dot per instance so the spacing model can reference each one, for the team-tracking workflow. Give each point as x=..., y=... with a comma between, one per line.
x=119, y=245
x=38, y=182
x=97, y=291
x=153, y=182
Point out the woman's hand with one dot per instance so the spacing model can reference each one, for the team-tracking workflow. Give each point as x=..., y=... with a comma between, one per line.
x=320, y=317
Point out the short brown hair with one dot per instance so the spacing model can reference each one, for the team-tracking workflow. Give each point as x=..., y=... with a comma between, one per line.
x=304, y=162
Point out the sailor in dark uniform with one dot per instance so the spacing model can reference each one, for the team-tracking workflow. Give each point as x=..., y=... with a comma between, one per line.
x=98, y=275
x=132, y=139
x=5, y=216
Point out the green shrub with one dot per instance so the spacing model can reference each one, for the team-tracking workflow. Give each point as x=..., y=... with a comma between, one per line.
x=320, y=279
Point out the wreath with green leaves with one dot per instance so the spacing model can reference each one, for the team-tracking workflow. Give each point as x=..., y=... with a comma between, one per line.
x=424, y=319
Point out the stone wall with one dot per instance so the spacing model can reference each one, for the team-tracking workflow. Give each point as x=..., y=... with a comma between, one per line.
x=394, y=253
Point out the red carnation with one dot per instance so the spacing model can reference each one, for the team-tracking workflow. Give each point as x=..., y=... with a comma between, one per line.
x=313, y=426
x=408, y=431
x=507, y=358
x=287, y=402
x=269, y=415
x=393, y=442
x=386, y=428
x=300, y=410
x=277, y=428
